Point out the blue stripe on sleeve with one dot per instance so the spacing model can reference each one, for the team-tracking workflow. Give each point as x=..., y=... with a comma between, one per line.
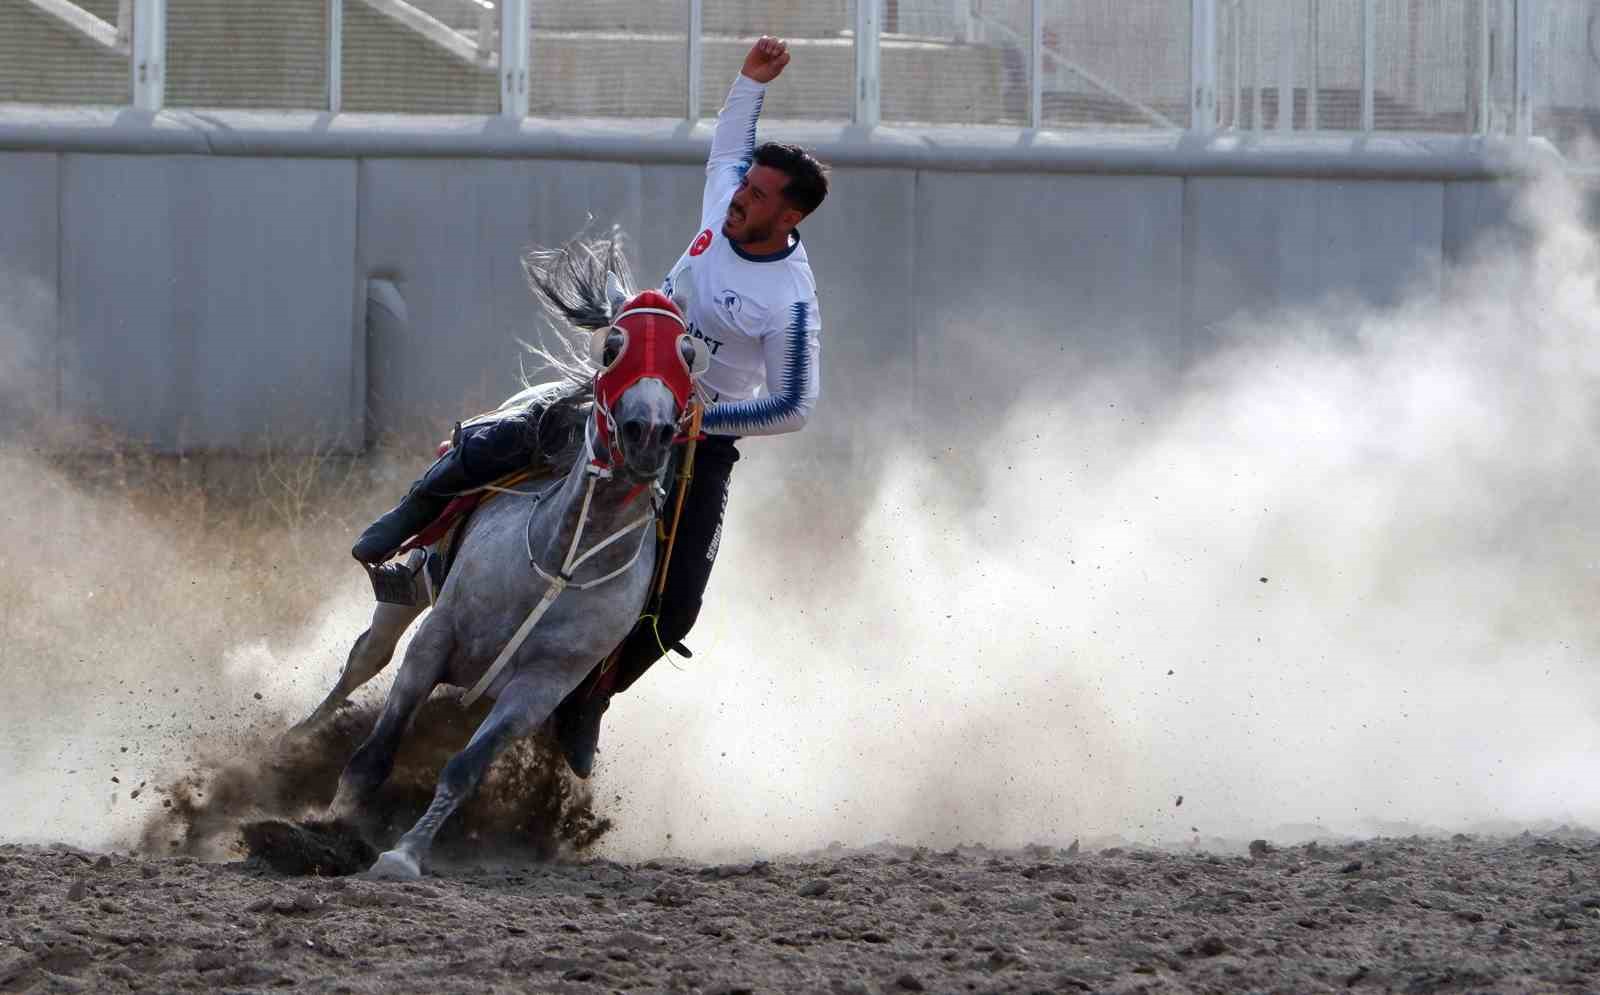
x=749, y=156
x=738, y=417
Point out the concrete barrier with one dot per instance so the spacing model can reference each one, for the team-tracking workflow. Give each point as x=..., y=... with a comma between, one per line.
x=202, y=282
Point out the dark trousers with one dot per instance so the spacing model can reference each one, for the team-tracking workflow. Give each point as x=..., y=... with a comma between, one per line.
x=694, y=552
x=490, y=450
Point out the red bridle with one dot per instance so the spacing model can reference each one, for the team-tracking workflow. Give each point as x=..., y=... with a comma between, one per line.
x=653, y=336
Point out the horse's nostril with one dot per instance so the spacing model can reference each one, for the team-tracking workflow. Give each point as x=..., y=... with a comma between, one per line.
x=667, y=433
x=633, y=431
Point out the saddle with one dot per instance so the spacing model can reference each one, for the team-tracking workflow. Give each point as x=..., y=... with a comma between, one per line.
x=395, y=583
x=562, y=411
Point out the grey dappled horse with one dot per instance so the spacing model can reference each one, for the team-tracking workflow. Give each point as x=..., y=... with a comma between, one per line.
x=492, y=588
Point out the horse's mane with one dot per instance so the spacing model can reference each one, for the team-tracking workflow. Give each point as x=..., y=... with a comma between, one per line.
x=570, y=283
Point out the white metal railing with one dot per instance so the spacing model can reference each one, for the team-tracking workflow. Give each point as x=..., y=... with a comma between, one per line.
x=1046, y=62
x=108, y=36
x=1488, y=66
x=1242, y=54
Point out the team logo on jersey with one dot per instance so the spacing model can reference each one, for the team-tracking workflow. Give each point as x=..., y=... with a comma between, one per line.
x=714, y=344
x=730, y=302
x=701, y=243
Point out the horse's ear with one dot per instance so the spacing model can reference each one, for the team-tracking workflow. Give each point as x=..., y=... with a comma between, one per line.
x=696, y=354
x=615, y=296
x=680, y=293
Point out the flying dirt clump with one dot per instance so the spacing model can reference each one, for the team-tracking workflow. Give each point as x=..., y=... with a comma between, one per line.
x=264, y=798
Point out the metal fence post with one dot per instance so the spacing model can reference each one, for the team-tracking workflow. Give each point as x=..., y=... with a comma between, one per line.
x=1036, y=64
x=514, y=44
x=1485, y=118
x=335, y=63
x=1523, y=81
x=867, y=107
x=1286, y=72
x=1258, y=108
x=1313, y=80
x=696, y=58
x=1203, y=66
x=1236, y=19
x=1369, y=67
x=149, y=62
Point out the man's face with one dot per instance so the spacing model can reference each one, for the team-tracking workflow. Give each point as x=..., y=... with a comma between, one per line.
x=758, y=210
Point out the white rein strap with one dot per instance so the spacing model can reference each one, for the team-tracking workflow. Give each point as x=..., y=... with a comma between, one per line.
x=517, y=640
x=572, y=563
x=560, y=582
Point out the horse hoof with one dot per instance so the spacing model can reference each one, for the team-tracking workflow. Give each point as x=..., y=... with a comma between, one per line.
x=395, y=865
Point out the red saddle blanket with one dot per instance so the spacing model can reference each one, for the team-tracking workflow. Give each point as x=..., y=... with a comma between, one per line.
x=458, y=509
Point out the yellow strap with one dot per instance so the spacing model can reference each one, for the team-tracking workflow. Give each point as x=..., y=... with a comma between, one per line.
x=505, y=485
x=670, y=536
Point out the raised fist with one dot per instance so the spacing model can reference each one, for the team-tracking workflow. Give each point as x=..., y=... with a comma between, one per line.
x=766, y=60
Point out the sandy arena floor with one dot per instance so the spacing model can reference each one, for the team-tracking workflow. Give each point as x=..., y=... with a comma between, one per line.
x=1395, y=915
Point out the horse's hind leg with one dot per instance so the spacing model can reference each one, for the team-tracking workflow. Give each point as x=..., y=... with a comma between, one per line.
x=372, y=652
x=374, y=760
x=522, y=703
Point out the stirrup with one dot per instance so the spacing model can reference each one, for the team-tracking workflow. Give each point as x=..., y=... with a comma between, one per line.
x=393, y=584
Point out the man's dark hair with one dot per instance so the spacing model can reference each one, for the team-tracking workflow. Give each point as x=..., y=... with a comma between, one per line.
x=808, y=178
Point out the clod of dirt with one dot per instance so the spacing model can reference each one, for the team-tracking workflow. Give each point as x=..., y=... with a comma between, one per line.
x=301, y=904
x=327, y=849
x=1210, y=946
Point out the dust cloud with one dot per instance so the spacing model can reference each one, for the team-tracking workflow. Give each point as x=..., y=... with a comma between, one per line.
x=1335, y=579
x=1338, y=579
x=154, y=610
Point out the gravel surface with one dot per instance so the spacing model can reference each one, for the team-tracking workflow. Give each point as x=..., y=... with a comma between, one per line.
x=1403, y=915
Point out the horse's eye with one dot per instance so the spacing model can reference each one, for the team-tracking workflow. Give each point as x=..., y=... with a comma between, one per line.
x=614, y=343
x=686, y=350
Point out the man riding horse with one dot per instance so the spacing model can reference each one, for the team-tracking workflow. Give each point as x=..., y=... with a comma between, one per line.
x=750, y=296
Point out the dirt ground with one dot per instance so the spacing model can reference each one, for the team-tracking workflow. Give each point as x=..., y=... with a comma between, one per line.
x=1402, y=915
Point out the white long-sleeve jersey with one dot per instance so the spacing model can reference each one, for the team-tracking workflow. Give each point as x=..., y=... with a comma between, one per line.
x=758, y=314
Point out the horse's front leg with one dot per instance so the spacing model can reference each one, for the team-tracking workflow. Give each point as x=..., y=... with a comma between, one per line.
x=372, y=763
x=372, y=651
x=521, y=706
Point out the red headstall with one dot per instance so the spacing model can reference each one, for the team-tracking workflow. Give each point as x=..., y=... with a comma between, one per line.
x=652, y=330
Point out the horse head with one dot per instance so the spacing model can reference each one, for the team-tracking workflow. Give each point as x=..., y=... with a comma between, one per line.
x=646, y=361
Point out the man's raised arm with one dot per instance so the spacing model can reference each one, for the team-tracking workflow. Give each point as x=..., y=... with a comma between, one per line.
x=734, y=140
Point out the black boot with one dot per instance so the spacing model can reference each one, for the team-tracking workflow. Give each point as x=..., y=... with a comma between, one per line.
x=416, y=511
x=578, y=730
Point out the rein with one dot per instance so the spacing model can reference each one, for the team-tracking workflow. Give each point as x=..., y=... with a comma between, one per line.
x=667, y=535
x=562, y=579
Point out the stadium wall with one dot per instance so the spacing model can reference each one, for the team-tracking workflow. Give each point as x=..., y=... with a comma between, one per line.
x=202, y=282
